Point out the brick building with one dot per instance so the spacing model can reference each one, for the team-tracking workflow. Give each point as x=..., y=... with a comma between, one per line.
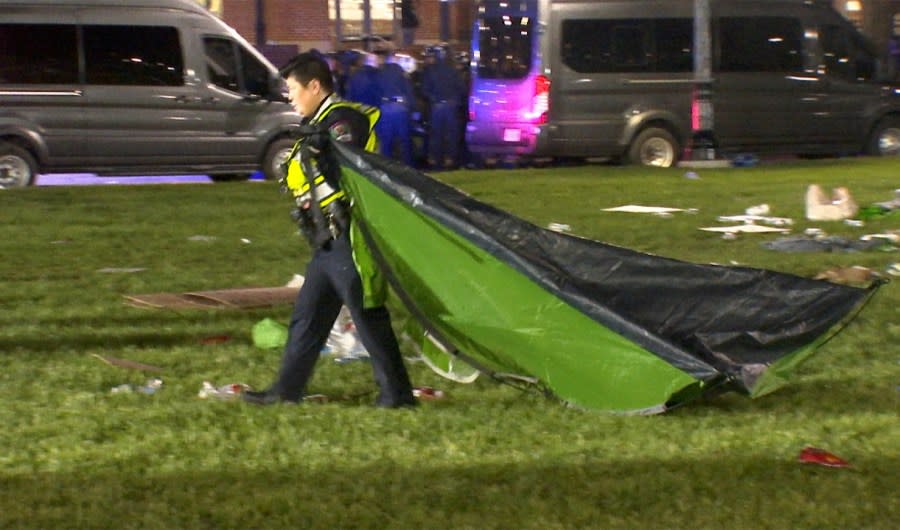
x=311, y=23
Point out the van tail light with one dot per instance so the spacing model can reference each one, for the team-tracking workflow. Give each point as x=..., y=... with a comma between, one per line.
x=471, y=115
x=695, y=111
x=541, y=101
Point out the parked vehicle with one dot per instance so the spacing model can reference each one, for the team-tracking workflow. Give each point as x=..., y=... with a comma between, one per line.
x=134, y=87
x=578, y=78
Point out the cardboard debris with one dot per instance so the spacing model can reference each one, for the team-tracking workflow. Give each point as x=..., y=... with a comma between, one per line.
x=848, y=275
x=244, y=298
x=820, y=207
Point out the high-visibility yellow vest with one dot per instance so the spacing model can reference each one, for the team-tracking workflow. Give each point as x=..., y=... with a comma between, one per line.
x=299, y=183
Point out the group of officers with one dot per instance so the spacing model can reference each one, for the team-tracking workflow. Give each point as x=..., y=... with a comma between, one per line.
x=423, y=106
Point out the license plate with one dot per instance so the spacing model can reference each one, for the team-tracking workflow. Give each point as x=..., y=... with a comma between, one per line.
x=512, y=135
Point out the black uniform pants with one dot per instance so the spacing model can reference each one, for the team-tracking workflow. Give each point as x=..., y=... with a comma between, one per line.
x=331, y=281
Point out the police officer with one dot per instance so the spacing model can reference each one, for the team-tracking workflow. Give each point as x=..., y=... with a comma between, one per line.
x=341, y=271
x=443, y=86
x=396, y=107
x=362, y=85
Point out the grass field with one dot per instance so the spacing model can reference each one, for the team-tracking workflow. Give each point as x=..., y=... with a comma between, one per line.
x=75, y=455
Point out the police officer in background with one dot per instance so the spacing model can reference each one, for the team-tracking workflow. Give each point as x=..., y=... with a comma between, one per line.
x=397, y=99
x=362, y=85
x=342, y=271
x=445, y=90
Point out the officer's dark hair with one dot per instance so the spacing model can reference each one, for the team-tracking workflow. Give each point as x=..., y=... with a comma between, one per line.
x=308, y=66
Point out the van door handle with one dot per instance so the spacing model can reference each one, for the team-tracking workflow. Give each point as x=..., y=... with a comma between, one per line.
x=196, y=99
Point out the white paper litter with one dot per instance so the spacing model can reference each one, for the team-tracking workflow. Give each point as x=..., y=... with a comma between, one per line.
x=744, y=229
x=749, y=219
x=635, y=208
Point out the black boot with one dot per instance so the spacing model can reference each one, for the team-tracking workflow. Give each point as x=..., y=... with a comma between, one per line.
x=265, y=397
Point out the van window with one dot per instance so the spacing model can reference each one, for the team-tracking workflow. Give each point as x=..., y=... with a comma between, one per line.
x=761, y=44
x=38, y=53
x=845, y=55
x=133, y=55
x=628, y=45
x=504, y=46
x=234, y=68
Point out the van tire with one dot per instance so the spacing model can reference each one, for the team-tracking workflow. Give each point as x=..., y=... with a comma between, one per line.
x=655, y=147
x=18, y=168
x=276, y=153
x=885, y=138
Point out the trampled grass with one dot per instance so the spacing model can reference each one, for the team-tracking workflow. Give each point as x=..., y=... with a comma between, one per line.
x=73, y=455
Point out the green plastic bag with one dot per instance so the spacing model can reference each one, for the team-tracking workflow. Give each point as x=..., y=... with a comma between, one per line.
x=268, y=334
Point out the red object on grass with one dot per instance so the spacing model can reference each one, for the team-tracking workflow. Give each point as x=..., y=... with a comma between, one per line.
x=814, y=455
x=216, y=339
x=427, y=392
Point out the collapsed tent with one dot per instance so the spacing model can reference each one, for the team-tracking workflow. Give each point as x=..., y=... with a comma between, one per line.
x=598, y=326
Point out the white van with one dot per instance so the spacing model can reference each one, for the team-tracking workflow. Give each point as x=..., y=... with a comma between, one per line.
x=579, y=78
x=134, y=87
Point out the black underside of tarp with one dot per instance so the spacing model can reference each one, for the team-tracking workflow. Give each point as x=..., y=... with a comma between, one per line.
x=704, y=319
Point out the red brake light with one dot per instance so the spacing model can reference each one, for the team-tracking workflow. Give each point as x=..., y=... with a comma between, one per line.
x=541, y=98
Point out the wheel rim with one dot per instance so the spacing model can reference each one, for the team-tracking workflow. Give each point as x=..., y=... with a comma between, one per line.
x=889, y=142
x=657, y=152
x=14, y=172
x=278, y=160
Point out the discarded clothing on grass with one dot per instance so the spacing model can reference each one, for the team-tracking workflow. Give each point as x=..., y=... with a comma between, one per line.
x=821, y=244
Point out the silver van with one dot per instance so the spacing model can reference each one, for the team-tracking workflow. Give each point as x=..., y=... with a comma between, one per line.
x=579, y=78
x=137, y=87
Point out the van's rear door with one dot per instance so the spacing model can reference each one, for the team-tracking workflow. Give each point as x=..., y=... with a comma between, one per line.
x=503, y=110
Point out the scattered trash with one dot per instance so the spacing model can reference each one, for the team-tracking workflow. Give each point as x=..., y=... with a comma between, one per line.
x=344, y=359
x=150, y=387
x=224, y=392
x=344, y=341
x=295, y=282
x=202, y=238
x=819, y=207
x=269, y=334
x=848, y=275
x=692, y=175
x=753, y=218
x=241, y=298
x=121, y=269
x=854, y=222
x=215, y=339
x=427, y=393
x=316, y=398
x=816, y=232
x=814, y=455
x=729, y=236
x=893, y=204
x=744, y=229
x=60, y=242
x=125, y=363
x=888, y=237
x=245, y=241
x=636, y=208
x=893, y=269
x=559, y=227
x=820, y=244
x=759, y=209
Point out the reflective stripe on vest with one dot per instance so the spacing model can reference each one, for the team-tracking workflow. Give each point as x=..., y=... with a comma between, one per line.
x=298, y=182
